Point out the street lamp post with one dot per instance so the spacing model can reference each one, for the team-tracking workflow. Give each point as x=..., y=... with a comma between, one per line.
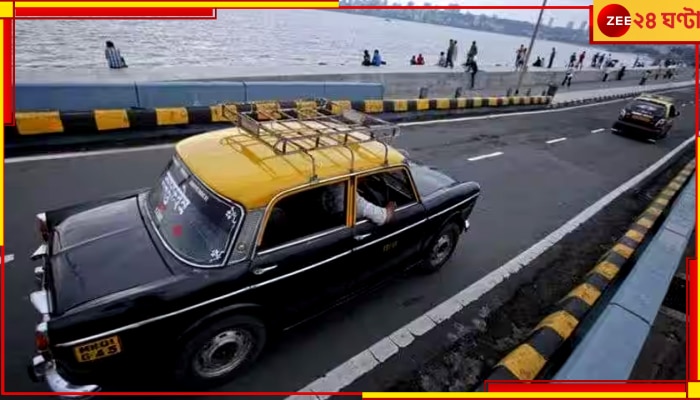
x=529, y=49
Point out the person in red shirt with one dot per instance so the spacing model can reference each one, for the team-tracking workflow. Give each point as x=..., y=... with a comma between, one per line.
x=420, y=60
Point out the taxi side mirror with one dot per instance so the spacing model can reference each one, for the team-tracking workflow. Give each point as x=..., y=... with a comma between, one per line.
x=676, y=113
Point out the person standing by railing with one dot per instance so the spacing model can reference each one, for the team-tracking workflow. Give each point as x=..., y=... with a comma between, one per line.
x=114, y=57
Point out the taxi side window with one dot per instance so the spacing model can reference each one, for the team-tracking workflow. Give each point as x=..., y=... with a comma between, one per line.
x=304, y=214
x=383, y=188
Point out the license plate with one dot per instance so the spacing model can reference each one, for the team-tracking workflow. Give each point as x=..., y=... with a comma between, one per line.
x=98, y=349
x=641, y=118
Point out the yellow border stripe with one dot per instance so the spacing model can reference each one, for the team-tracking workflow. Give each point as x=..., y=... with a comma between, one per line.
x=645, y=222
x=442, y=104
x=37, y=123
x=172, y=116
x=635, y=235
x=623, y=250
x=586, y=292
x=606, y=269
x=111, y=119
x=524, y=362
x=561, y=322
x=400, y=105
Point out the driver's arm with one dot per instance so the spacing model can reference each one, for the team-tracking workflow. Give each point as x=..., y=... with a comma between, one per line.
x=378, y=215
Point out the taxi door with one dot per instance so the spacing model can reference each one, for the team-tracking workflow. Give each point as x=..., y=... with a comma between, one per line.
x=381, y=251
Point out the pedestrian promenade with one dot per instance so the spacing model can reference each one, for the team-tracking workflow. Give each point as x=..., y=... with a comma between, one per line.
x=574, y=95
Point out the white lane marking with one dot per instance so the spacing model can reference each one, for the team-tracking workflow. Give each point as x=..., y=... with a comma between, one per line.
x=556, y=140
x=477, y=158
x=598, y=130
x=368, y=359
x=15, y=160
x=9, y=258
x=517, y=114
x=77, y=154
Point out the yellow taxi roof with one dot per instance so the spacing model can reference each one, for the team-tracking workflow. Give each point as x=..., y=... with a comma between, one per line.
x=240, y=167
x=664, y=100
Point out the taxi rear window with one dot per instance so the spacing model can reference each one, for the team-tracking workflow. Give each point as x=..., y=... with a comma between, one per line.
x=648, y=107
x=194, y=222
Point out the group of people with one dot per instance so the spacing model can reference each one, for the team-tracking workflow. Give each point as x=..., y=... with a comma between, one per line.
x=375, y=60
x=521, y=58
x=417, y=60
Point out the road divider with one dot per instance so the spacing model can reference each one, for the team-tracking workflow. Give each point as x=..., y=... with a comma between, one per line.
x=530, y=358
x=88, y=122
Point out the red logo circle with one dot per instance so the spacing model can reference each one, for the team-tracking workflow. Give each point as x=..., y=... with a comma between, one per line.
x=614, y=20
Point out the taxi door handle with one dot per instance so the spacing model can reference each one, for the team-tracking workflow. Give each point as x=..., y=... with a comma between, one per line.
x=260, y=271
x=362, y=237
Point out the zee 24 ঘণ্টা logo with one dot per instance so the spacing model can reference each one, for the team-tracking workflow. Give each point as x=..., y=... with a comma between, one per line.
x=615, y=20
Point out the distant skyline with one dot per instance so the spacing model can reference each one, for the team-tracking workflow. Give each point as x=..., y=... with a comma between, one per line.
x=561, y=17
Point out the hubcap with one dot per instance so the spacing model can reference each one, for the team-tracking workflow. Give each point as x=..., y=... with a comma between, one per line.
x=441, y=249
x=223, y=353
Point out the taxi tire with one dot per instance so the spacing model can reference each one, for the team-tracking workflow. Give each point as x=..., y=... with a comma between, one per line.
x=184, y=373
x=451, y=229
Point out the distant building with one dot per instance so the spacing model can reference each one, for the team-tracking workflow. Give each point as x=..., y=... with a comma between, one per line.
x=570, y=25
x=583, y=26
x=551, y=22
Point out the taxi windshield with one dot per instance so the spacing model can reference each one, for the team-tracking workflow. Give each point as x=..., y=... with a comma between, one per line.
x=648, y=107
x=195, y=223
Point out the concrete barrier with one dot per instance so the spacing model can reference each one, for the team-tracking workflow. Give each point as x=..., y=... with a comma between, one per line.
x=77, y=96
x=89, y=122
x=85, y=96
x=169, y=94
x=528, y=359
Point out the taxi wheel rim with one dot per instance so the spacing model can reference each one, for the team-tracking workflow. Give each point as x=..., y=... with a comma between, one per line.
x=223, y=353
x=441, y=249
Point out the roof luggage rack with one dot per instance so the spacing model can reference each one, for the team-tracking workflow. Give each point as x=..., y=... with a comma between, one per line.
x=311, y=125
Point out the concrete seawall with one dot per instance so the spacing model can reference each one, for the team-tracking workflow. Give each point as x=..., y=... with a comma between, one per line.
x=133, y=89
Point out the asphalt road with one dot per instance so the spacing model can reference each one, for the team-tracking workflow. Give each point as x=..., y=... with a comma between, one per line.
x=529, y=190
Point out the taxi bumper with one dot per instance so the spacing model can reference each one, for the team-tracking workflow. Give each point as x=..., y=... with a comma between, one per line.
x=43, y=370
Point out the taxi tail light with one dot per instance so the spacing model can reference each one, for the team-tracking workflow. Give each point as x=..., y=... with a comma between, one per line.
x=41, y=337
x=43, y=227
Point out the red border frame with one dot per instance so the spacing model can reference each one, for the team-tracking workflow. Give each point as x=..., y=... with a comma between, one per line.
x=493, y=386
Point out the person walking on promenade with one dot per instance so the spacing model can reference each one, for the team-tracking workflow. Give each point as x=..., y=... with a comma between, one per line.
x=114, y=57
x=568, y=77
x=572, y=60
x=581, y=57
x=519, y=57
x=644, y=77
x=595, y=60
x=621, y=73
x=551, y=57
x=474, y=68
x=455, y=53
x=606, y=72
x=450, y=56
x=473, y=51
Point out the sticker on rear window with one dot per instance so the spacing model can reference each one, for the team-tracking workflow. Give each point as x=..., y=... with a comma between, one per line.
x=173, y=195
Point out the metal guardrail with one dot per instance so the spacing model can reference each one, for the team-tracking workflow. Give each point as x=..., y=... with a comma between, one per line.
x=609, y=350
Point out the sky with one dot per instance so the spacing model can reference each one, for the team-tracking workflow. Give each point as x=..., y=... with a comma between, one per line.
x=561, y=17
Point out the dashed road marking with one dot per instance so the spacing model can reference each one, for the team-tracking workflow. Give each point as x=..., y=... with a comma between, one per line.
x=347, y=372
x=598, y=130
x=556, y=140
x=9, y=258
x=477, y=158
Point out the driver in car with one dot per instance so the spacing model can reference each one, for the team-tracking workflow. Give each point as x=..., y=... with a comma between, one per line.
x=365, y=209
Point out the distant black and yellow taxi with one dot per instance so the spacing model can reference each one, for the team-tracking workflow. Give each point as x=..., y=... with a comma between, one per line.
x=648, y=115
x=249, y=231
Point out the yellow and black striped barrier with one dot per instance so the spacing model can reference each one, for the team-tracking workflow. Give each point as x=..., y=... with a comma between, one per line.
x=527, y=360
x=95, y=121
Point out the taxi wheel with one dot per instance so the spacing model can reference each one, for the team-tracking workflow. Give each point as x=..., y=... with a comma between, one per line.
x=219, y=351
x=440, y=249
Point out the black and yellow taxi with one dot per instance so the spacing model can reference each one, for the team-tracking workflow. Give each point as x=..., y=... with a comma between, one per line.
x=248, y=231
x=648, y=115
